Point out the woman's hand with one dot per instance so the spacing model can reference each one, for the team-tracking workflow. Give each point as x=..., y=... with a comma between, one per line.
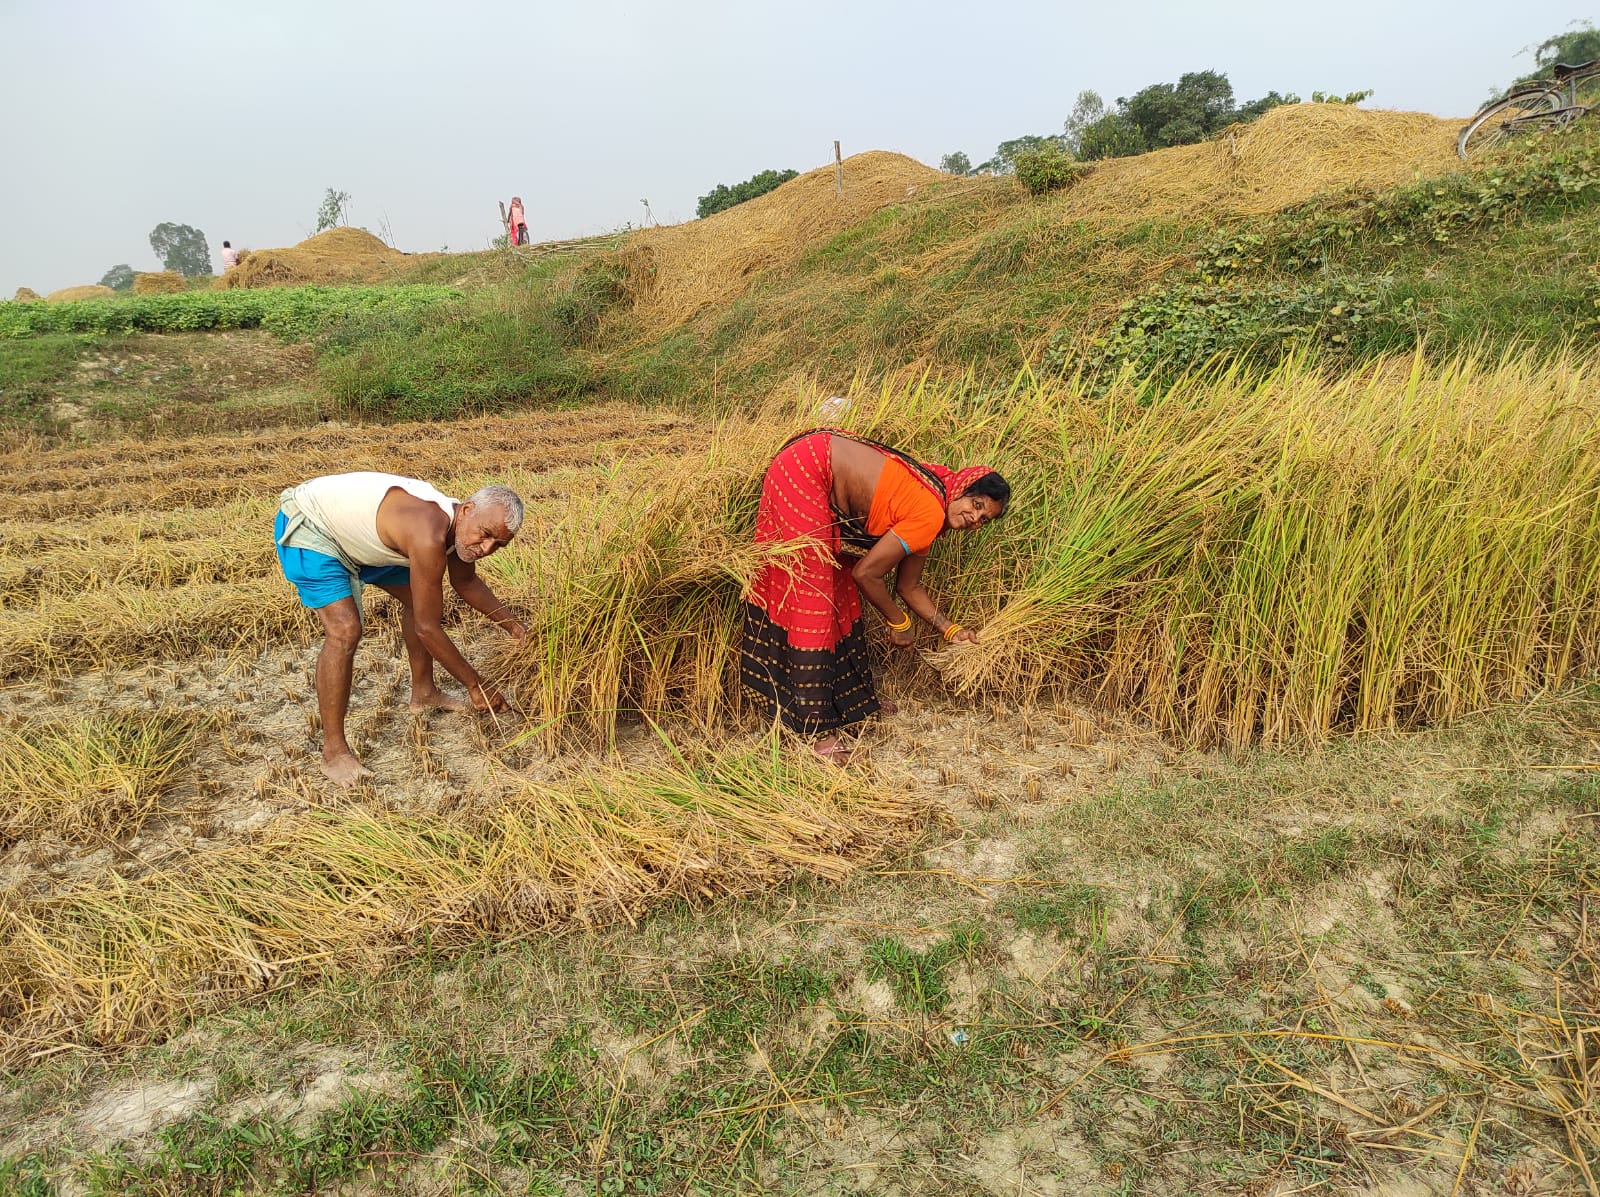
x=964, y=636
x=902, y=640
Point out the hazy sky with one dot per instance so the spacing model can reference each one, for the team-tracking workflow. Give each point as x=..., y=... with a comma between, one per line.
x=235, y=117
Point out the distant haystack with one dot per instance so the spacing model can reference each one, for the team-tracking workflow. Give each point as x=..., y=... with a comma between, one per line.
x=25, y=295
x=158, y=282
x=342, y=255
x=677, y=271
x=1281, y=159
x=91, y=291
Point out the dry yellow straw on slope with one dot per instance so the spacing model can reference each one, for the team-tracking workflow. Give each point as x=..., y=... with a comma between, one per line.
x=1287, y=156
x=90, y=291
x=342, y=255
x=677, y=271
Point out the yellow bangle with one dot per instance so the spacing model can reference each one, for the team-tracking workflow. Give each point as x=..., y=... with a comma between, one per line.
x=900, y=627
x=949, y=632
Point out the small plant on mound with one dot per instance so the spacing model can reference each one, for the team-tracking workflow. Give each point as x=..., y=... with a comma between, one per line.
x=1180, y=328
x=1050, y=167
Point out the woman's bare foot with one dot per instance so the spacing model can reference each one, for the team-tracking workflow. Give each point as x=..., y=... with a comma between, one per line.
x=436, y=700
x=344, y=770
x=888, y=708
x=830, y=749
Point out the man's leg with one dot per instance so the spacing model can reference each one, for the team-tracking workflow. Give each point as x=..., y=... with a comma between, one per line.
x=341, y=626
x=425, y=692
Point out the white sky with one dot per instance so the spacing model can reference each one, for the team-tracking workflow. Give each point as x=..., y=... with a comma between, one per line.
x=234, y=117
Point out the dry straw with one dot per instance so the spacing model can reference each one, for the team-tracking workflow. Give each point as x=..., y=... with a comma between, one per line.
x=351, y=890
x=341, y=255
x=89, y=291
x=91, y=776
x=677, y=271
x=1286, y=157
x=158, y=282
x=25, y=295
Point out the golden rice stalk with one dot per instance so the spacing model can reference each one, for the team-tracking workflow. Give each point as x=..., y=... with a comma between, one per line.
x=91, y=776
x=345, y=891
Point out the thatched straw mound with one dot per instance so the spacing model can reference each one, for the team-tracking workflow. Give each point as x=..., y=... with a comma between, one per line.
x=1284, y=158
x=342, y=255
x=25, y=295
x=158, y=282
x=677, y=271
x=69, y=294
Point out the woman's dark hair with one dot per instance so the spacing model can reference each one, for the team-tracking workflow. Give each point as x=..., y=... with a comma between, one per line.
x=227, y=245
x=993, y=486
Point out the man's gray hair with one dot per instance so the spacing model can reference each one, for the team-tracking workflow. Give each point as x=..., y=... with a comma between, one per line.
x=502, y=499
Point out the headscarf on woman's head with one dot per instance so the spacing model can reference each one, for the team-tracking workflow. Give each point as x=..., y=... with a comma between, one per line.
x=956, y=482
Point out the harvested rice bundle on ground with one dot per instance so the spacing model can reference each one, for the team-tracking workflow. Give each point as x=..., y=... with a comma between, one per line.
x=71, y=294
x=158, y=282
x=342, y=255
x=346, y=891
x=677, y=271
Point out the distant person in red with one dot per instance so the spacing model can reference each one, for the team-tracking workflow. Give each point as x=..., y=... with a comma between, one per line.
x=518, y=222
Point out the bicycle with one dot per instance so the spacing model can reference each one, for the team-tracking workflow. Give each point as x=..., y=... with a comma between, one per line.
x=1536, y=107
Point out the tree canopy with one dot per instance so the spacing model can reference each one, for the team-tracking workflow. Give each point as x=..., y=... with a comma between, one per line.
x=1581, y=43
x=118, y=278
x=335, y=210
x=181, y=247
x=956, y=164
x=721, y=197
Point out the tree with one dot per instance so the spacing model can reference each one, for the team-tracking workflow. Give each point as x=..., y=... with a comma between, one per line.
x=1004, y=161
x=335, y=210
x=722, y=197
x=1580, y=45
x=1112, y=136
x=956, y=164
x=1086, y=110
x=1181, y=113
x=118, y=278
x=181, y=247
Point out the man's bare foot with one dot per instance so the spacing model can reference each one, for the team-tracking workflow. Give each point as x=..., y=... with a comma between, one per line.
x=436, y=700
x=888, y=708
x=344, y=769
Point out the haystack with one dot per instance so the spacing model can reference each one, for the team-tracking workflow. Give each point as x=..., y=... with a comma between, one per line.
x=1284, y=158
x=342, y=255
x=677, y=271
x=25, y=295
x=91, y=291
x=158, y=282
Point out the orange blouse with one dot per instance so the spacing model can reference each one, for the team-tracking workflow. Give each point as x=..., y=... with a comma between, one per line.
x=905, y=506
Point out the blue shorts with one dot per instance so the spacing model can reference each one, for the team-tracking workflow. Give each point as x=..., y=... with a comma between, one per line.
x=320, y=579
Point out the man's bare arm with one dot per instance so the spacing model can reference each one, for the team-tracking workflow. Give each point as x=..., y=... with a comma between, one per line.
x=475, y=592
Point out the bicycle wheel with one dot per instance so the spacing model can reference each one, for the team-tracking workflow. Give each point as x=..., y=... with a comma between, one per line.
x=1586, y=88
x=1521, y=112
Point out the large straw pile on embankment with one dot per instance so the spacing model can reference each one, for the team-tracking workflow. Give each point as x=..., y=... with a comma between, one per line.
x=1281, y=159
x=158, y=282
x=25, y=295
x=348, y=891
x=342, y=255
x=1242, y=560
x=677, y=271
x=70, y=294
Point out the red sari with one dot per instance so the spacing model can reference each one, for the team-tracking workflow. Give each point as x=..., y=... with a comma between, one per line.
x=805, y=645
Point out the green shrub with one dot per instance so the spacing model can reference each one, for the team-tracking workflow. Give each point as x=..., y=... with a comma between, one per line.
x=577, y=311
x=292, y=313
x=1179, y=328
x=1048, y=168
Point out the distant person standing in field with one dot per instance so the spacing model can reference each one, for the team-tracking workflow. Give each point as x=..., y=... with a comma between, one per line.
x=230, y=256
x=517, y=221
x=403, y=536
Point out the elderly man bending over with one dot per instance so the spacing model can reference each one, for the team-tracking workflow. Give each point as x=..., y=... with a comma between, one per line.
x=403, y=536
